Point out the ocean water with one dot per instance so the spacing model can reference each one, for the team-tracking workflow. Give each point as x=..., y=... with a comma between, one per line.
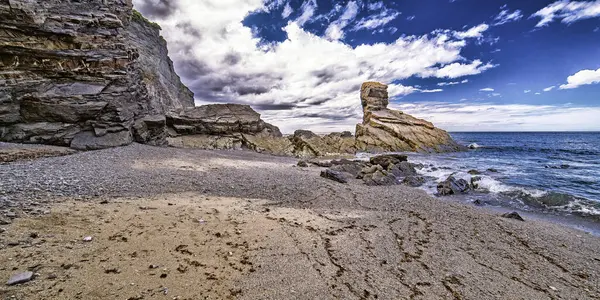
x=557, y=173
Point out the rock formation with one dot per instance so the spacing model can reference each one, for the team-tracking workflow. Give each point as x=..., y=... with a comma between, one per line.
x=83, y=74
x=385, y=129
x=219, y=126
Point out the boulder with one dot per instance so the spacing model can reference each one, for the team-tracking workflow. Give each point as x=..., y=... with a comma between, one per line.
x=387, y=130
x=513, y=215
x=386, y=159
x=83, y=71
x=334, y=175
x=380, y=178
x=403, y=169
x=453, y=186
x=348, y=166
x=88, y=140
x=151, y=130
x=308, y=144
x=413, y=181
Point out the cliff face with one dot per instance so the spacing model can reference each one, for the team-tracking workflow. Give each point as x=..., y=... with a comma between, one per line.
x=80, y=73
x=386, y=129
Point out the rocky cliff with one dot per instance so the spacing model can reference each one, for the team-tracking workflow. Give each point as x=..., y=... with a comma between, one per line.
x=386, y=129
x=82, y=74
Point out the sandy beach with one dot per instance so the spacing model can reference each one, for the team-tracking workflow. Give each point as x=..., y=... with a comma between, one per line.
x=190, y=224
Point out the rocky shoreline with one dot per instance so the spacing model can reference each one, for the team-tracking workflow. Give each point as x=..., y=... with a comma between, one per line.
x=244, y=225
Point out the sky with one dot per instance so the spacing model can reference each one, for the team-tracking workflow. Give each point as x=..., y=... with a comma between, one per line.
x=465, y=65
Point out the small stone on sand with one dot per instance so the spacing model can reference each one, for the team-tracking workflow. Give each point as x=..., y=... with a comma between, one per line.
x=20, y=278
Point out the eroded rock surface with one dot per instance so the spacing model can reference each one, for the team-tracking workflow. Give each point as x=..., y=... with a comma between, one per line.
x=385, y=129
x=82, y=72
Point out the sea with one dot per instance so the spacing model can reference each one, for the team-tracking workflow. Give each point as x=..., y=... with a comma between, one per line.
x=544, y=174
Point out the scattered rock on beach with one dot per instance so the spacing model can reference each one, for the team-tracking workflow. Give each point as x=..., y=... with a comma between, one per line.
x=513, y=215
x=453, y=186
x=403, y=169
x=20, y=278
x=381, y=178
x=334, y=175
x=302, y=164
x=387, y=159
x=474, y=172
x=413, y=181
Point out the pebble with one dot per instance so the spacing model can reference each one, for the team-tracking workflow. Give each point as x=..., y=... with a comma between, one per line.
x=20, y=278
x=87, y=239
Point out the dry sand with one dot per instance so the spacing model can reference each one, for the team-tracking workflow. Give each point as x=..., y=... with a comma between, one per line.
x=239, y=225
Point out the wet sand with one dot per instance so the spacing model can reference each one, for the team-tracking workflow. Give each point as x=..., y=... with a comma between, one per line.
x=190, y=224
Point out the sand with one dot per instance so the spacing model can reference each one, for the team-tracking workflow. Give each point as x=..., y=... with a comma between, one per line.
x=239, y=225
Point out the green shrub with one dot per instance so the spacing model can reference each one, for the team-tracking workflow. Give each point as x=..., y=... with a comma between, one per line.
x=137, y=16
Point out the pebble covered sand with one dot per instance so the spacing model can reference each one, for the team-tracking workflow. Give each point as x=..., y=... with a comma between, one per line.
x=142, y=222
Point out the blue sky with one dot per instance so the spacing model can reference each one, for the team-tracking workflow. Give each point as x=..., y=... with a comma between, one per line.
x=466, y=65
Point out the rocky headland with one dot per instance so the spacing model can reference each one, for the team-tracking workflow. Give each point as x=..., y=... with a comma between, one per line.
x=95, y=75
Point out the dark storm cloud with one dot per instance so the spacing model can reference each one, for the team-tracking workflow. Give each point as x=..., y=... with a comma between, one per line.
x=326, y=115
x=251, y=90
x=191, y=68
x=283, y=106
x=188, y=28
x=157, y=8
x=232, y=58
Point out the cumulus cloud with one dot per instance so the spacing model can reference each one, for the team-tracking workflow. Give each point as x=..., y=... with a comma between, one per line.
x=305, y=80
x=505, y=16
x=583, y=77
x=527, y=91
x=467, y=116
x=452, y=82
x=549, y=88
x=567, y=11
x=486, y=90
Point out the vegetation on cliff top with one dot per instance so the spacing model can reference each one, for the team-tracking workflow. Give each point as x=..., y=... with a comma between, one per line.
x=136, y=15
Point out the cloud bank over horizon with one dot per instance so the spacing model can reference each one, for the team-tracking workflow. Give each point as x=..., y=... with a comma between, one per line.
x=304, y=70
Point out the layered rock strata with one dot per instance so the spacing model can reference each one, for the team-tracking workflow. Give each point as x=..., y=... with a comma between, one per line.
x=385, y=129
x=82, y=73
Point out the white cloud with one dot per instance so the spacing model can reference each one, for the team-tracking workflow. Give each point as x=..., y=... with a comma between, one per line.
x=410, y=18
x=287, y=11
x=432, y=91
x=527, y=91
x=549, y=88
x=583, y=77
x=486, y=90
x=568, y=12
x=376, y=21
x=308, y=11
x=456, y=70
x=452, y=82
x=375, y=5
x=467, y=116
x=505, y=16
x=474, y=32
x=335, y=30
x=305, y=80
x=538, y=93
